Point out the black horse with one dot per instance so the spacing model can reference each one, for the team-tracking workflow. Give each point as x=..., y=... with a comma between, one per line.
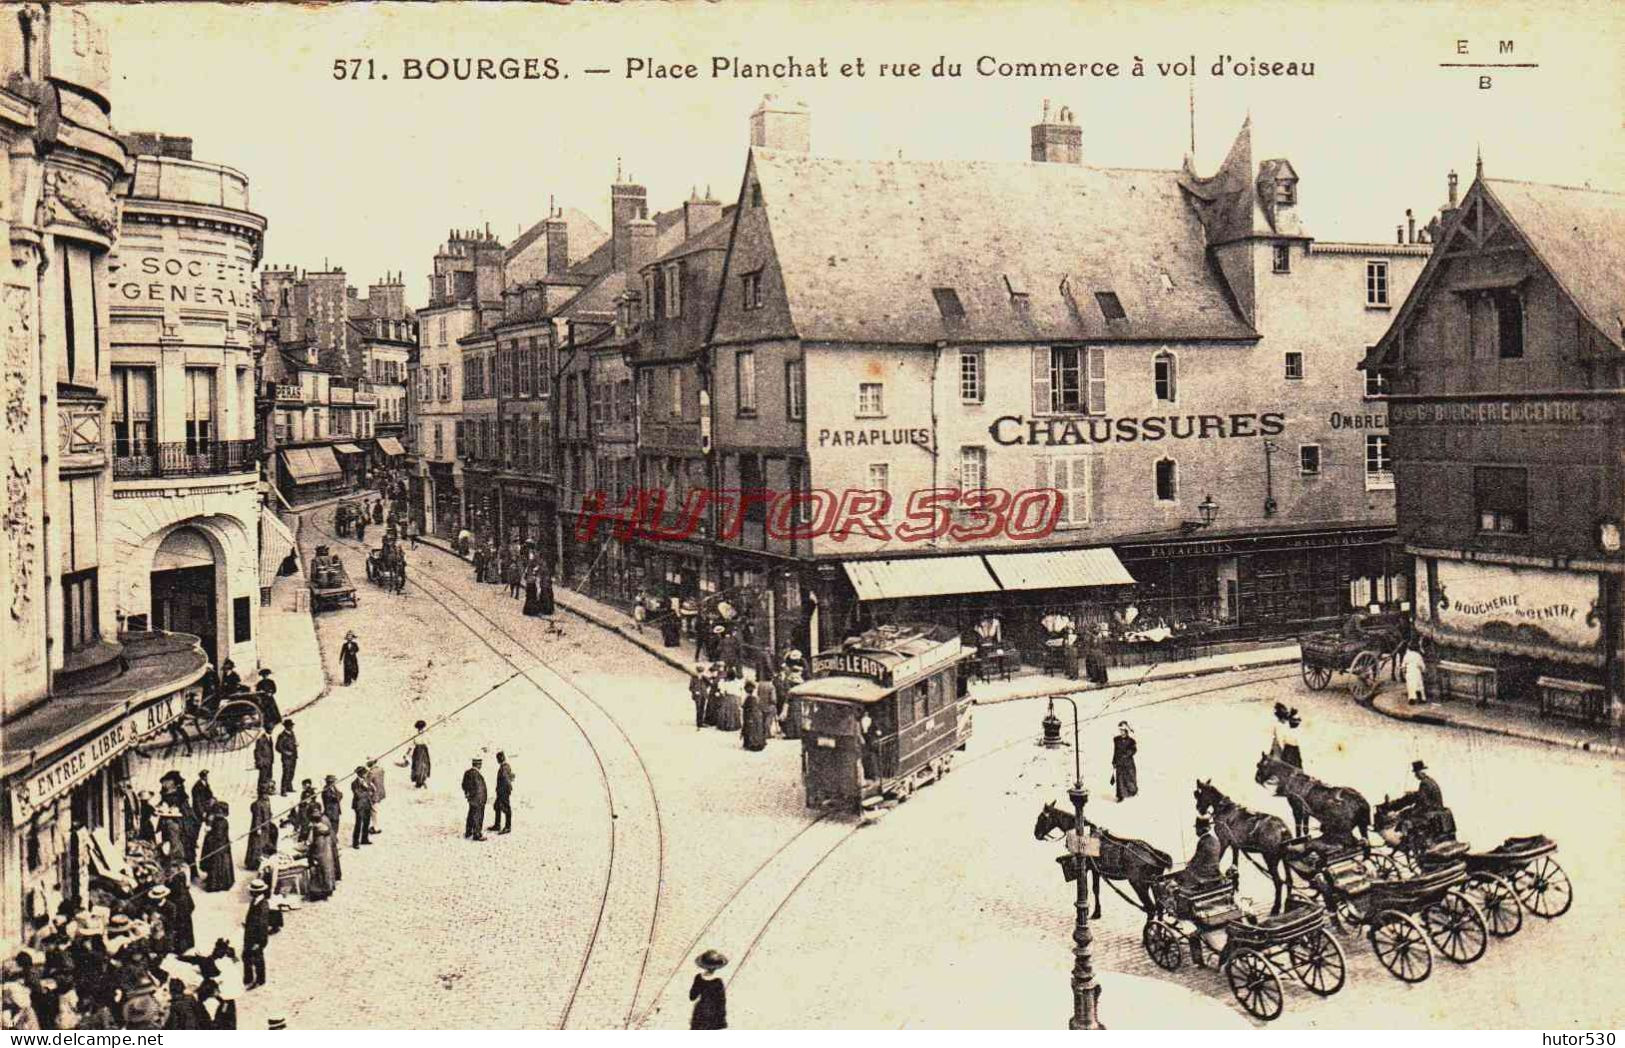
x=1120, y=858
x=1240, y=830
x=1341, y=811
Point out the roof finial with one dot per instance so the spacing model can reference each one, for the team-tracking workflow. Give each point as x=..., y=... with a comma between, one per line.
x=1478, y=173
x=617, y=169
x=1193, y=117
x=1045, y=118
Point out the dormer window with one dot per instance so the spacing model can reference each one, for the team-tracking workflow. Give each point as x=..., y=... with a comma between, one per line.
x=1110, y=307
x=1286, y=192
x=948, y=303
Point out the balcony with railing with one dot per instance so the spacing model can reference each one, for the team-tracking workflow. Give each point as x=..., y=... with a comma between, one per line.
x=289, y=393
x=138, y=460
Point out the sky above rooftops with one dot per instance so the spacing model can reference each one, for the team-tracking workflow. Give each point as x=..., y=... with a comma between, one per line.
x=371, y=174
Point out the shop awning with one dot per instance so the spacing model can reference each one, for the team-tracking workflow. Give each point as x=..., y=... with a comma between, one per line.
x=275, y=542
x=919, y=577
x=311, y=465
x=348, y=449
x=1059, y=569
x=390, y=446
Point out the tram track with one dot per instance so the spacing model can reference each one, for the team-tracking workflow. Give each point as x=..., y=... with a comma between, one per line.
x=594, y=961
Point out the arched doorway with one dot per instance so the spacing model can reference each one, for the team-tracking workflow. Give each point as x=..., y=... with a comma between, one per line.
x=183, y=587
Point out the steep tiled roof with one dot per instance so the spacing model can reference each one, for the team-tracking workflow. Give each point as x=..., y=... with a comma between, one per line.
x=1579, y=235
x=586, y=236
x=598, y=298
x=864, y=244
x=711, y=238
x=668, y=234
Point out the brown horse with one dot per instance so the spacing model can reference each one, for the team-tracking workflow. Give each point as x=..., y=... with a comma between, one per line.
x=1240, y=830
x=1341, y=811
x=1120, y=858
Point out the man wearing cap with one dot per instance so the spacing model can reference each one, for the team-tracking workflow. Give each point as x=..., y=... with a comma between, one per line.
x=503, y=806
x=474, y=793
x=361, y=804
x=264, y=754
x=287, y=746
x=256, y=934
x=1125, y=774
x=333, y=804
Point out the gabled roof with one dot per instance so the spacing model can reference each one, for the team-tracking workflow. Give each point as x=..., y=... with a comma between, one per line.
x=864, y=245
x=668, y=234
x=598, y=299
x=713, y=237
x=585, y=236
x=1577, y=235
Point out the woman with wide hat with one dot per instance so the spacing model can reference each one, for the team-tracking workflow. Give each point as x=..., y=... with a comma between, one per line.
x=709, y=993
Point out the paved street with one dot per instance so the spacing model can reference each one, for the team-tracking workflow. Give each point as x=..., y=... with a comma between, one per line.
x=943, y=913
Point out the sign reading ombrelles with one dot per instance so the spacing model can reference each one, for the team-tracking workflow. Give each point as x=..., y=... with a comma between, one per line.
x=42, y=785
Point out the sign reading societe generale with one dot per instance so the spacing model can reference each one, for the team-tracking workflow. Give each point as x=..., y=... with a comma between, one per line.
x=158, y=279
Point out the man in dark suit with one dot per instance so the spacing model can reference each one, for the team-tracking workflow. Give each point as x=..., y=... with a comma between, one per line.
x=502, y=809
x=264, y=758
x=256, y=934
x=474, y=792
x=288, y=746
x=1203, y=869
x=1429, y=798
x=361, y=804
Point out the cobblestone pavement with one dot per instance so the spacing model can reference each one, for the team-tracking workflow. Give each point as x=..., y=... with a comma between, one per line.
x=895, y=924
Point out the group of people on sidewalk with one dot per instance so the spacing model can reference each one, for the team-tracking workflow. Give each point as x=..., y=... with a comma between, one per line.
x=521, y=567
x=725, y=698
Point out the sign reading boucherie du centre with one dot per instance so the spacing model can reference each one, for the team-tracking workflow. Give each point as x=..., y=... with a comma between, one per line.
x=1502, y=412
x=1486, y=599
x=40, y=786
x=156, y=279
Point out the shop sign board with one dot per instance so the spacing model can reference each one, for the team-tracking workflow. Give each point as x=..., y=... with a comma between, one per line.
x=1498, y=600
x=37, y=787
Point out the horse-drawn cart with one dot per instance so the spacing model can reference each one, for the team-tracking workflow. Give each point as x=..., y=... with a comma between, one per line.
x=330, y=584
x=1255, y=952
x=1362, y=648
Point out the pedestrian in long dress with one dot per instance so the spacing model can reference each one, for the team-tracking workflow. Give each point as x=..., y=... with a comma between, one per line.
x=265, y=760
x=361, y=804
x=324, y=860
x=178, y=908
x=287, y=747
x=420, y=758
x=767, y=694
x=262, y=832
x=474, y=793
x=502, y=807
x=533, y=592
x=375, y=778
x=1125, y=776
x=350, y=657
x=730, y=698
x=172, y=792
x=753, y=726
x=333, y=805
x=709, y=994
x=265, y=695
x=546, y=592
x=219, y=872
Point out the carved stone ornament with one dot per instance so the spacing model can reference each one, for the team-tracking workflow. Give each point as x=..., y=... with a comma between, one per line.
x=80, y=428
x=19, y=523
x=81, y=198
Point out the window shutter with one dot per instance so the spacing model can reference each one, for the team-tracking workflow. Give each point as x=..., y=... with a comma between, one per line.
x=1097, y=381
x=1043, y=480
x=1041, y=381
x=1097, y=489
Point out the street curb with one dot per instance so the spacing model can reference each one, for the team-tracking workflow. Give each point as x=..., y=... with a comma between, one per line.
x=1508, y=731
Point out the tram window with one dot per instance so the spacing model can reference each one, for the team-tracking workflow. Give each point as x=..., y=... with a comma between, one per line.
x=922, y=701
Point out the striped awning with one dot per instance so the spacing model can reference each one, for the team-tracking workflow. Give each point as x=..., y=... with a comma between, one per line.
x=390, y=446
x=349, y=449
x=311, y=465
x=1059, y=569
x=275, y=542
x=918, y=577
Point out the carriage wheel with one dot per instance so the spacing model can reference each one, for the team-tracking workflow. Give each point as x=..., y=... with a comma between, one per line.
x=1385, y=867
x=1255, y=983
x=1318, y=962
x=1544, y=888
x=1498, y=901
x=1401, y=946
x=1364, y=667
x=1317, y=677
x=1163, y=945
x=1457, y=928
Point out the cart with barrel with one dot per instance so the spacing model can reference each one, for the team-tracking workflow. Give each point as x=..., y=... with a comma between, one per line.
x=1255, y=954
x=330, y=584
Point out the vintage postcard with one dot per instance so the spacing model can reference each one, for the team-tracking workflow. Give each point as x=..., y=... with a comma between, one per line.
x=943, y=516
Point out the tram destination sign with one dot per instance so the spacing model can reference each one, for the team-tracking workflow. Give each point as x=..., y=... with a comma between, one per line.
x=848, y=664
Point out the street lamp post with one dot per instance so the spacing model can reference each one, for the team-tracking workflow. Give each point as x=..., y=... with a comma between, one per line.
x=1085, y=992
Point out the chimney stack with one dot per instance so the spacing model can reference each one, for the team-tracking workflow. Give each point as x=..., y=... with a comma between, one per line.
x=699, y=215
x=628, y=202
x=1410, y=226
x=640, y=238
x=1453, y=181
x=1058, y=140
x=1399, y=234
x=558, y=244
x=781, y=124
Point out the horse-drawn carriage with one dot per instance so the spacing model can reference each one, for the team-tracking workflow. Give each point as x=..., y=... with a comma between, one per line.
x=1253, y=952
x=330, y=584
x=1364, y=646
x=230, y=724
x=386, y=567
